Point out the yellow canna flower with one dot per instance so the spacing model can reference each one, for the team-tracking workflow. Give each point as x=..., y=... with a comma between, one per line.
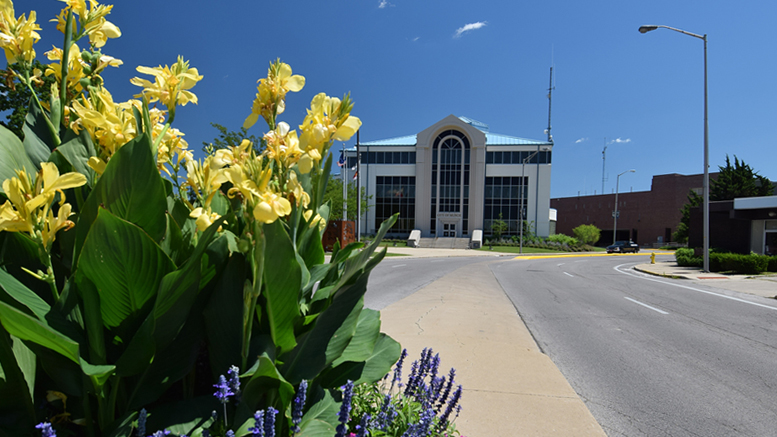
x=328, y=119
x=49, y=182
x=29, y=206
x=282, y=145
x=17, y=35
x=317, y=220
x=241, y=184
x=171, y=84
x=204, y=218
x=296, y=192
x=271, y=207
x=52, y=225
x=204, y=178
x=110, y=125
x=271, y=93
x=92, y=21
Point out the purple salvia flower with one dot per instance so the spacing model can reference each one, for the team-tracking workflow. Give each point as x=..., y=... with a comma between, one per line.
x=224, y=391
x=398, y=370
x=258, y=429
x=142, y=417
x=205, y=433
x=230, y=433
x=451, y=405
x=434, y=366
x=447, y=390
x=46, y=430
x=411, y=379
x=297, y=406
x=361, y=428
x=234, y=379
x=345, y=408
x=269, y=422
x=161, y=433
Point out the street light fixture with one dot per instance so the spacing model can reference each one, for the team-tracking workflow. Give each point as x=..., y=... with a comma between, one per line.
x=615, y=213
x=520, y=205
x=706, y=182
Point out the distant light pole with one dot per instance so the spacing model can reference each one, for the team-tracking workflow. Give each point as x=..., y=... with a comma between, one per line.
x=706, y=183
x=520, y=205
x=615, y=213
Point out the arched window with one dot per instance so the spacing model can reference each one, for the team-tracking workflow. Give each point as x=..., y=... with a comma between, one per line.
x=450, y=177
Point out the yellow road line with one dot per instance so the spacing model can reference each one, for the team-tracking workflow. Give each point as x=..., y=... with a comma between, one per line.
x=580, y=255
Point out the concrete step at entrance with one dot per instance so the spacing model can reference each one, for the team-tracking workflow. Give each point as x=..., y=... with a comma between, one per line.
x=444, y=243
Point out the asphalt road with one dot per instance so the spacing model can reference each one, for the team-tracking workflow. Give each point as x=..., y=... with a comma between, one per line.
x=398, y=277
x=651, y=356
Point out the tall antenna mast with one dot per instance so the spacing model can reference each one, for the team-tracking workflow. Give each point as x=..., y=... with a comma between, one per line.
x=550, y=99
x=604, y=159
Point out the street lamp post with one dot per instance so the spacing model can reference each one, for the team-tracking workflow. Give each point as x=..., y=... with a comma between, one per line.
x=706, y=182
x=520, y=205
x=615, y=213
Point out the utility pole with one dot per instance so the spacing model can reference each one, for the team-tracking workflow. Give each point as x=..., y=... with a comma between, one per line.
x=604, y=159
x=550, y=99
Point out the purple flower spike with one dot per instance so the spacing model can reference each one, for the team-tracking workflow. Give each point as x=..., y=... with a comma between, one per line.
x=345, y=408
x=269, y=422
x=223, y=391
x=46, y=429
x=297, y=406
x=142, y=417
x=234, y=379
x=258, y=429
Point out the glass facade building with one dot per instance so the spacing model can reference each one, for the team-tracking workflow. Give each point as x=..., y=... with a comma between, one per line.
x=453, y=178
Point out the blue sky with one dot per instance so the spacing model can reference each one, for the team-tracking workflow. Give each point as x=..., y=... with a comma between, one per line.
x=409, y=63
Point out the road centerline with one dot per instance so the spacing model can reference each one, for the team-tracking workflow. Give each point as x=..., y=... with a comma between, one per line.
x=568, y=275
x=646, y=305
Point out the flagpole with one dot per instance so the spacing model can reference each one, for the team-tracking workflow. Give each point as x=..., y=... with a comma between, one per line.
x=343, y=173
x=358, y=191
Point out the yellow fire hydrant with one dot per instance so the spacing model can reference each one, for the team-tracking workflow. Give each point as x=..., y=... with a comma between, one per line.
x=653, y=258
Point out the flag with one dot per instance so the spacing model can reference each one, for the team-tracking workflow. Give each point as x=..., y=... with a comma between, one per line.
x=355, y=175
x=341, y=161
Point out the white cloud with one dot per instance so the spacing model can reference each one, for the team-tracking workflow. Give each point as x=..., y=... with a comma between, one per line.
x=416, y=38
x=384, y=3
x=472, y=26
x=581, y=140
x=620, y=141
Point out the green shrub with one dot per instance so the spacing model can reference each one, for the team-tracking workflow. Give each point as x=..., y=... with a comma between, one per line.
x=772, y=265
x=587, y=234
x=564, y=239
x=751, y=264
x=686, y=258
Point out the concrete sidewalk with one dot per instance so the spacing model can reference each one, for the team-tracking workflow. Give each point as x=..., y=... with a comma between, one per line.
x=760, y=285
x=510, y=387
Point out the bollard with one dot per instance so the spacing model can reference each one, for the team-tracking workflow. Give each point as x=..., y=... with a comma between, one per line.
x=653, y=258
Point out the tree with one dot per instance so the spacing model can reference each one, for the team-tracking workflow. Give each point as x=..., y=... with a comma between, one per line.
x=498, y=227
x=681, y=234
x=228, y=138
x=587, y=234
x=739, y=180
x=15, y=96
x=334, y=194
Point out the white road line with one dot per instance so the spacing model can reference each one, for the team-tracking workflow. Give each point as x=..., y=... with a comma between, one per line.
x=617, y=268
x=559, y=265
x=568, y=275
x=646, y=306
x=398, y=265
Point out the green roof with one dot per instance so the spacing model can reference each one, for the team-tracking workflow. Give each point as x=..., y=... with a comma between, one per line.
x=491, y=139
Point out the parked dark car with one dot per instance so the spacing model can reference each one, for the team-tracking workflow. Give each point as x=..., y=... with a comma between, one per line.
x=623, y=247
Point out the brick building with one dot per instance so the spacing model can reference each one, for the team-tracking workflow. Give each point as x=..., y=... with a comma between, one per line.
x=646, y=217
